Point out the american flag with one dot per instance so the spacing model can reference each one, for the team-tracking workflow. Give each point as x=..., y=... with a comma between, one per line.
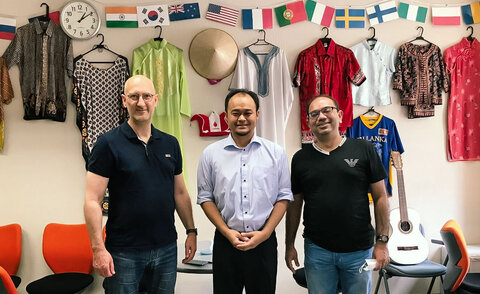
x=222, y=14
x=175, y=9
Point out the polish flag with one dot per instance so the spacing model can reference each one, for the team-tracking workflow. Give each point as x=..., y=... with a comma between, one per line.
x=446, y=16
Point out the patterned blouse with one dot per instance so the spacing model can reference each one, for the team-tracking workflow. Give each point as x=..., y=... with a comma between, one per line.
x=97, y=95
x=420, y=76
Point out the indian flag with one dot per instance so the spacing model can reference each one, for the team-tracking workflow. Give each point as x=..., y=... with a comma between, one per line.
x=412, y=12
x=446, y=16
x=121, y=17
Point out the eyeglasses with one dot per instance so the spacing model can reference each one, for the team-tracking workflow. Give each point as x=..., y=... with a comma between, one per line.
x=325, y=111
x=147, y=97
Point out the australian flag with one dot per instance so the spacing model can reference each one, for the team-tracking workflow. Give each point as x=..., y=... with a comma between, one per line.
x=183, y=11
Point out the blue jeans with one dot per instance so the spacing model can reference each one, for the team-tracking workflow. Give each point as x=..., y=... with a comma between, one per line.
x=323, y=270
x=158, y=265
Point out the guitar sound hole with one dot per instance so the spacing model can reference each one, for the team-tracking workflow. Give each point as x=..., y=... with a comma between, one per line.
x=405, y=227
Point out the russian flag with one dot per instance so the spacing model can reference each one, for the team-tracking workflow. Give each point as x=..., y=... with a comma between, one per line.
x=7, y=28
x=446, y=16
x=257, y=19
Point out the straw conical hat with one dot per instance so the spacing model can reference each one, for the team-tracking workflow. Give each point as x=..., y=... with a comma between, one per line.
x=213, y=54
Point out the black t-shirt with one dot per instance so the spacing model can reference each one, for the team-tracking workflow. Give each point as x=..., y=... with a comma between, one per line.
x=141, y=186
x=335, y=187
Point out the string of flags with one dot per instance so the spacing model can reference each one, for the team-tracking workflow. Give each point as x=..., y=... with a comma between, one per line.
x=287, y=14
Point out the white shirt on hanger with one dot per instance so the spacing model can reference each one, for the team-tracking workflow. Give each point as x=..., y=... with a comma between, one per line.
x=378, y=65
x=268, y=76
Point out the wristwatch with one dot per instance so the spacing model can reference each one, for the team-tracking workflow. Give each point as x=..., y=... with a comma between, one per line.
x=382, y=238
x=192, y=231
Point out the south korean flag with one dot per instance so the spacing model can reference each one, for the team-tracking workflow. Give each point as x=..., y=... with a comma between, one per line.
x=153, y=15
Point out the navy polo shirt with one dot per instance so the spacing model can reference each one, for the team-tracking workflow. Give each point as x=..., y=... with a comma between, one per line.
x=141, y=186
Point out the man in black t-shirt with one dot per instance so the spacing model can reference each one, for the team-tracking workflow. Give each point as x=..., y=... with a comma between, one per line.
x=332, y=177
x=142, y=168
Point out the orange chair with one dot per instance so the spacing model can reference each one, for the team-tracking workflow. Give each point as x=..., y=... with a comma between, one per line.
x=11, y=250
x=6, y=285
x=67, y=251
x=457, y=279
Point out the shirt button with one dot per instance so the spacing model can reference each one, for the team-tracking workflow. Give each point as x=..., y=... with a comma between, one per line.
x=244, y=164
x=248, y=227
x=244, y=180
x=244, y=196
x=245, y=212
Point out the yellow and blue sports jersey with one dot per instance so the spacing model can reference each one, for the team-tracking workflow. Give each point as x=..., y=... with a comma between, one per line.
x=382, y=132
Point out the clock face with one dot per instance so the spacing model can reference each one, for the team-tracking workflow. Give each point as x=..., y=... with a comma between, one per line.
x=79, y=20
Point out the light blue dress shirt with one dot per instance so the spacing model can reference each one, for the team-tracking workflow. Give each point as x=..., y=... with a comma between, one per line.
x=244, y=183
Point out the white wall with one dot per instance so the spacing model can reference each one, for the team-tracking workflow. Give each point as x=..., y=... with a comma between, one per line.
x=42, y=175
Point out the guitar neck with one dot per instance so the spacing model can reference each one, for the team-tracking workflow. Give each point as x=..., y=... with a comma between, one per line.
x=402, y=199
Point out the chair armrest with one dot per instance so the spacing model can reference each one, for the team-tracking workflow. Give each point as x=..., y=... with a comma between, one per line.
x=439, y=242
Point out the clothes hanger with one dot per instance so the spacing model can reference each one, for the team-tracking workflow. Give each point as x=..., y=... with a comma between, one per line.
x=372, y=38
x=325, y=40
x=262, y=42
x=100, y=46
x=45, y=17
x=470, y=37
x=371, y=110
x=159, y=38
x=420, y=38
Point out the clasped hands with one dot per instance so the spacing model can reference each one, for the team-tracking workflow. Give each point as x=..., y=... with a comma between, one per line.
x=248, y=240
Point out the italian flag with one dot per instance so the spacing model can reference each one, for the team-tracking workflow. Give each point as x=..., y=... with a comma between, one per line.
x=319, y=13
x=121, y=17
x=446, y=16
x=291, y=13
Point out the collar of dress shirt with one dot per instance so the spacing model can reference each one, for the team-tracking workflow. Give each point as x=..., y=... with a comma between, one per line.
x=229, y=142
x=376, y=47
x=39, y=30
x=321, y=50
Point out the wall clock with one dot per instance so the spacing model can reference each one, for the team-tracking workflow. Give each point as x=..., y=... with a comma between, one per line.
x=80, y=20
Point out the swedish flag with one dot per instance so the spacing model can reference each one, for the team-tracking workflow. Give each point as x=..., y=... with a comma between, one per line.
x=349, y=18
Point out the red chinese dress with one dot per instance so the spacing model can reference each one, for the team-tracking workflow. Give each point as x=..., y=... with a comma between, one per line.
x=463, y=65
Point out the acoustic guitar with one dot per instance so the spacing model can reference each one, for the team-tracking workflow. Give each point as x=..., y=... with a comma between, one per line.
x=407, y=245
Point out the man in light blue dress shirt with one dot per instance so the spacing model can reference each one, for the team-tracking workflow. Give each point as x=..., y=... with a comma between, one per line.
x=244, y=189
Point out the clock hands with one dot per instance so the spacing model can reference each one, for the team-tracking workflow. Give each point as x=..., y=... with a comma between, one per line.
x=84, y=16
x=81, y=18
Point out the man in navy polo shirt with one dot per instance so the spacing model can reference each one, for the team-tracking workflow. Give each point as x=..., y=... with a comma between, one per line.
x=142, y=168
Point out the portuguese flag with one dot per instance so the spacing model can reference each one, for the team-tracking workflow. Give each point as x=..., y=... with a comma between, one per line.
x=291, y=13
x=121, y=17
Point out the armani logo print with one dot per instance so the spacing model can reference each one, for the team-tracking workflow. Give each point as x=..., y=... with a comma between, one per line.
x=351, y=162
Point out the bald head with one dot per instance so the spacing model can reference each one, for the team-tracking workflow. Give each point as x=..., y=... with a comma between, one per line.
x=140, y=100
x=139, y=81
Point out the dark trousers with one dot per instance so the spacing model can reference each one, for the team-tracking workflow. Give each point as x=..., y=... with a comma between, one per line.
x=255, y=269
